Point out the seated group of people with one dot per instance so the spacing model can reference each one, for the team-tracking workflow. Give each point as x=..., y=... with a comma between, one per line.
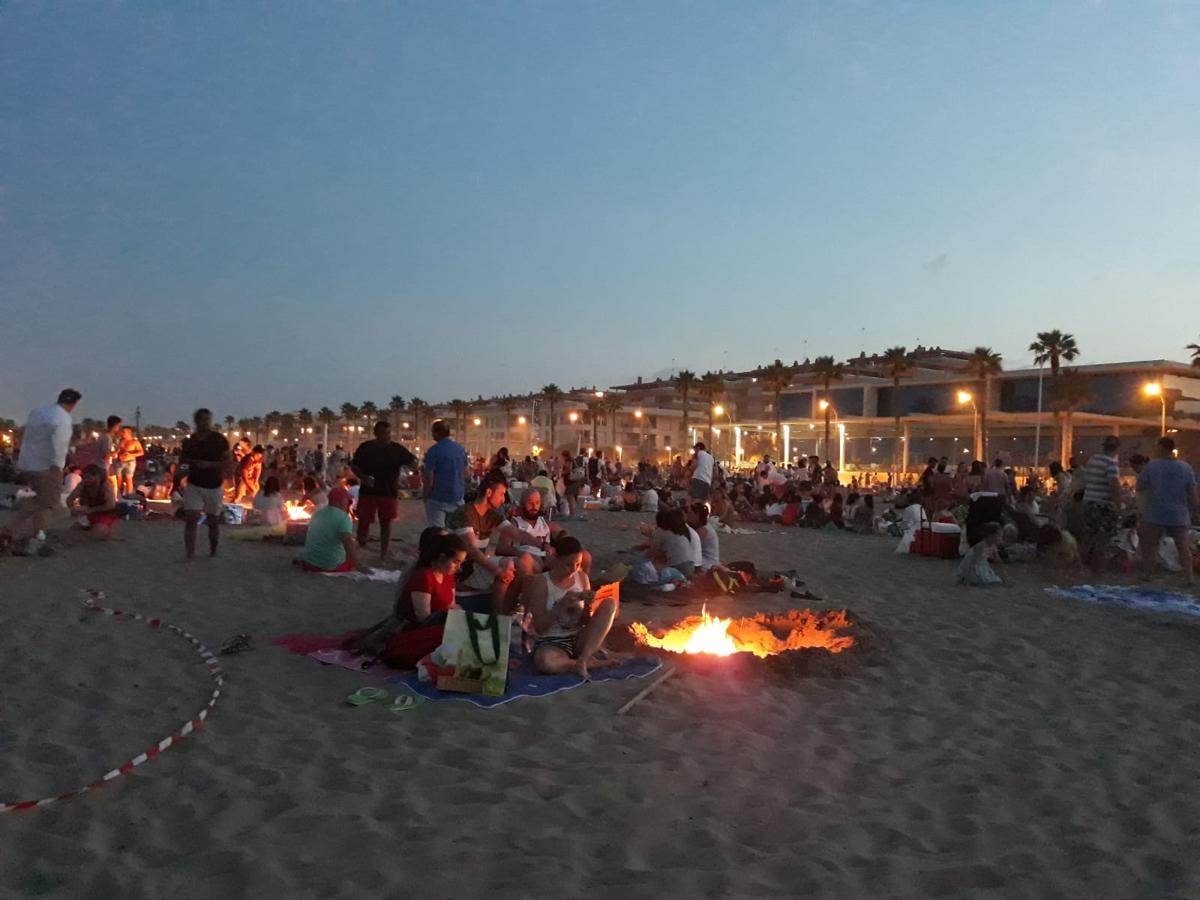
x=486, y=560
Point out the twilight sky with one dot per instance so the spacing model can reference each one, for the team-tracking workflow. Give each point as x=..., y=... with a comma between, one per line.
x=254, y=205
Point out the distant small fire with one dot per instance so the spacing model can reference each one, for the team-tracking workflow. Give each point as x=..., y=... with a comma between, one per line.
x=296, y=512
x=763, y=635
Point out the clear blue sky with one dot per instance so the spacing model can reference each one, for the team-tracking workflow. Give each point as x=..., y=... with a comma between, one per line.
x=270, y=205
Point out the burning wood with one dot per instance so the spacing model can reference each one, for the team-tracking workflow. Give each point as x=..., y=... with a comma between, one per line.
x=296, y=512
x=763, y=635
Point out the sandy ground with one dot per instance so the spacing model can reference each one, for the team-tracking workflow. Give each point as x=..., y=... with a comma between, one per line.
x=1013, y=746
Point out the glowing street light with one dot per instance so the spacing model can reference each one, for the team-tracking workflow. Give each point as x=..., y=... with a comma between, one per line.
x=521, y=420
x=637, y=413
x=965, y=397
x=823, y=405
x=478, y=421
x=1155, y=389
x=719, y=409
x=574, y=417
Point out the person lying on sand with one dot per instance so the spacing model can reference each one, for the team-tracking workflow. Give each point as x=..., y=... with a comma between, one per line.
x=569, y=629
x=95, y=498
x=329, y=545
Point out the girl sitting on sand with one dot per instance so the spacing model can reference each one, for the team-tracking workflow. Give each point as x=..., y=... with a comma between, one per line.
x=268, y=503
x=673, y=545
x=95, y=498
x=975, y=568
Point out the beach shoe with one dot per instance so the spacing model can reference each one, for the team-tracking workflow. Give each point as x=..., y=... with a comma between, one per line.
x=239, y=643
x=365, y=695
x=402, y=702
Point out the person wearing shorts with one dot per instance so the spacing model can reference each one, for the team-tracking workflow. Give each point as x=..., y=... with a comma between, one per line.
x=44, y=446
x=1168, y=486
x=206, y=458
x=377, y=463
x=700, y=486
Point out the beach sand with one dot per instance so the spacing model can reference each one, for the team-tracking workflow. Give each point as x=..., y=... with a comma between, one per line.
x=1012, y=745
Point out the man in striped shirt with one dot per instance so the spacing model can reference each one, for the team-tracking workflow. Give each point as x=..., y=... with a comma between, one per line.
x=1101, y=503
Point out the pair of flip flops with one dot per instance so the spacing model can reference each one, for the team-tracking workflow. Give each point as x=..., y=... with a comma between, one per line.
x=365, y=695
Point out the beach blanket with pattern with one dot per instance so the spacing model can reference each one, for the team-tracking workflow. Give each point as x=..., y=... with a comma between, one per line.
x=1133, y=597
x=523, y=679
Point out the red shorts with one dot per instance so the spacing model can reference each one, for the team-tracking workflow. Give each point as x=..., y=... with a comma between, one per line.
x=346, y=566
x=370, y=508
x=103, y=520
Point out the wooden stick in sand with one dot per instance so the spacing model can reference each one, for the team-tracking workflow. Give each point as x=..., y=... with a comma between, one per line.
x=644, y=692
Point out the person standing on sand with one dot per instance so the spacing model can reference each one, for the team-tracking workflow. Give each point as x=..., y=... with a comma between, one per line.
x=1169, y=488
x=44, y=446
x=377, y=463
x=700, y=487
x=106, y=450
x=445, y=470
x=1101, y=503
x=206, y=458
x=129, y=451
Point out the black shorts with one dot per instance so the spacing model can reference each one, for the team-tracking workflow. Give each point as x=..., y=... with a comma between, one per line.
x=563, y=642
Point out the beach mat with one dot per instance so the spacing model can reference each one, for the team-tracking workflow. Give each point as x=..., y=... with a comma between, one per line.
x=1132, y=597
x=524, y=681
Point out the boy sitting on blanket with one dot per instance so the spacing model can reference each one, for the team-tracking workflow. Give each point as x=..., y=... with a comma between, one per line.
x=476, y=523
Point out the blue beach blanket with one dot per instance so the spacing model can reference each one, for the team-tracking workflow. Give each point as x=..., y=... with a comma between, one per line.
x=524, y=681
x=1133, y=597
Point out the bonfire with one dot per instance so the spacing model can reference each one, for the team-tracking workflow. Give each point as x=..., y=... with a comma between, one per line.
x=763, y=635
x=296, y=512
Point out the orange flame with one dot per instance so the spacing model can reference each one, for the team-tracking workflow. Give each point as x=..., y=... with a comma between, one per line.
x=761, y=635
x=296, y=512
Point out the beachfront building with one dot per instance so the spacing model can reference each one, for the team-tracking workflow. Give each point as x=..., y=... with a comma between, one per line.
x=939, y=409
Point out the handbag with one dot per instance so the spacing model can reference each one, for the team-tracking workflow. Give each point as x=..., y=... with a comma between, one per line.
x=473, y=656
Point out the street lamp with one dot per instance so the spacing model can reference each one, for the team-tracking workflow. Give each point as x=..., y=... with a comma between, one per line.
x=574, y=417
x=521, y=420
x=1155, y=389
x=965, y=397
x=478, y=421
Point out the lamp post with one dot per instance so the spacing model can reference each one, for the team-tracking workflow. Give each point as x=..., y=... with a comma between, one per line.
x=1155, y=389
x=965, y=397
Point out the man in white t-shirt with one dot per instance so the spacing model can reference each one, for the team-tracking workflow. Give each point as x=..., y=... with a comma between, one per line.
x=44, y=447
x=702, y=474
x=528, y=536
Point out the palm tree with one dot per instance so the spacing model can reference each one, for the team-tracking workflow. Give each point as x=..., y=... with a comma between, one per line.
x=304, y=416
x=897, y=363
x=1054, y=347
x=507, y=403
x=685, y=383
x=369, y=411
x=271, y=419
x=418, y=408
x=460, y=408
x=230, y=421
x=184, y=427
x=256, y=425
x=595, y=408
x=1068, y=392
x=395, y=407
x=827, y=370
x=777, y=377
x=326, y=417
x=1195, y=348
x=983, y=364
x=553, y=395
x=612, y=409
x=710, y=390
x=287, y=424
x=244, y=425
x=349, y=415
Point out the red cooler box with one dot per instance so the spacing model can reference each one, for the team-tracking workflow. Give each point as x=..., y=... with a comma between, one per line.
x=938, y=540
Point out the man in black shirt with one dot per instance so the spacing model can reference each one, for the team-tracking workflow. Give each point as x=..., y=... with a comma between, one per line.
x=205, y=456
x=377, y=464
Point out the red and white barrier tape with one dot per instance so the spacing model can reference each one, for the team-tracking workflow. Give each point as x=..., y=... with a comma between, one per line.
x=91, y=602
